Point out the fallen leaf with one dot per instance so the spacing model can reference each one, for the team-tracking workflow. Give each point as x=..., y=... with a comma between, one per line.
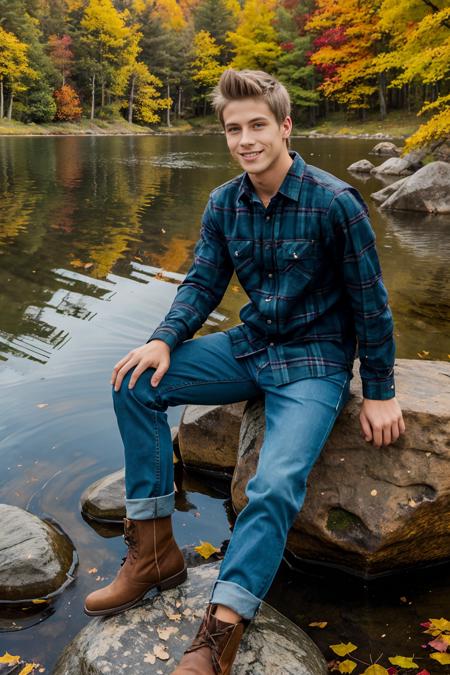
x=149, y=658
x=163, y=230
x=439, y=645
x=88, y=266
x=39, y=601
x=403, y=661
x=375, y=669
x=318, y=624
x=28, y=668
x=206, y=549
x=9, y=659
x=342, y=649
x=392, y=670
x=347, y=666
x=443, y=659
x=440, y=624
x=423, y=354
x=92, y=570
x=236, y=289
x=423, y=672
x=160, y=652
x=165, y=633
x=76, y=263
x=175, y=459
x=42, y=405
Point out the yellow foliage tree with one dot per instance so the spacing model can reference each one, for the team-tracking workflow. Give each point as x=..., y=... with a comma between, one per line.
x=254, y=42
x=14, y=68
x=206, y=68
x=171, y=14
x=419, y=52
x=148, y=99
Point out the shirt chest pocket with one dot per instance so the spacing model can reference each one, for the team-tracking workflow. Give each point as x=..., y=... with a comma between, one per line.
x=242, y=254
x=299, y=258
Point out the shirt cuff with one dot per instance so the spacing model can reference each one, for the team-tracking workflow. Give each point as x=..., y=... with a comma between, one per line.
x=167, y=335
x=379, y=390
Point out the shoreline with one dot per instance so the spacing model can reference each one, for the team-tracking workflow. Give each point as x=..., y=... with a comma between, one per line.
x=88, y=128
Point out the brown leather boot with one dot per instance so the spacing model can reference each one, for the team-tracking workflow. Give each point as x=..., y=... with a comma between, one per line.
x=153, y=560
x=214, y=647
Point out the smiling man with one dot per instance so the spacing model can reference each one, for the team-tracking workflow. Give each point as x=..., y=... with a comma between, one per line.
x=303, y=249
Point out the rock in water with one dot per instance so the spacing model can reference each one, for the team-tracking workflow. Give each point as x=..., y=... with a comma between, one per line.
x=105, y=499
x=362, y=166
x=151, y=638
x=427, y=190
x=35, y=558
x=386, y=148
x=371, y=509
x=208, y=435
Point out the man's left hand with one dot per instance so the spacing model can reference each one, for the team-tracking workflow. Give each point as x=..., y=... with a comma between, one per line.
x=381, y=421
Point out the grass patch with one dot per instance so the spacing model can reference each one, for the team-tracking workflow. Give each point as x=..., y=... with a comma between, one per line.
x=397, y=124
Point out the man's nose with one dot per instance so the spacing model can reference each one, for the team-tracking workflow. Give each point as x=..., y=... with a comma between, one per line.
x=246, y=137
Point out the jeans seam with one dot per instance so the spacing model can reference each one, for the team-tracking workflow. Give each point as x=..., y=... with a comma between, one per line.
x=158, y=452
x=194, y=383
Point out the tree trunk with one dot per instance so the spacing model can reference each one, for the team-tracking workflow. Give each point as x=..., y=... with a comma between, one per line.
x=93, y=97
x=382, y=99
x=205, y=102
x=103, y=94
x=180, y=89
x=63, y=78
x=131, y=100
x=10, y=106
x=2, y=100
x=168, y=107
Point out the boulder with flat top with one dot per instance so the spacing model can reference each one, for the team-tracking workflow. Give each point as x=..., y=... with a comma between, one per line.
x=367, y=509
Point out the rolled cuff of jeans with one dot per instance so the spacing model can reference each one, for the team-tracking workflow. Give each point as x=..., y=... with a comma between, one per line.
x=151, y=507
x=236, y=597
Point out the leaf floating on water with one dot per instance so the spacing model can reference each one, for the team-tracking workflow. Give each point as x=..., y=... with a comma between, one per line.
x=161, y=653
x=423, y=354
x=443, y=659
x=347, y=666
x=424, y=672
x=9, y=659
x=439, y=645
x=318, y=624
x=342, y=649
x=403, y=661
x=206, y=549
x=28, y=668
x=392, y=670
x=92, y=570
x=440, y=624
x=42, y=405
x=375, y=669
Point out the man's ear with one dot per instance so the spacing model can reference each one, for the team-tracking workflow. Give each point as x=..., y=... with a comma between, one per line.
x=286, y=127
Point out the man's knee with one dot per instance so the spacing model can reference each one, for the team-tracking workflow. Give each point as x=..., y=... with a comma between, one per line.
x=142, y=393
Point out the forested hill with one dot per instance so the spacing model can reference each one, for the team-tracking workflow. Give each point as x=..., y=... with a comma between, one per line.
x=147, y=59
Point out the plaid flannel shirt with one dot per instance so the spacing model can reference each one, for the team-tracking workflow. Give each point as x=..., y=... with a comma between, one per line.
x=310, y=269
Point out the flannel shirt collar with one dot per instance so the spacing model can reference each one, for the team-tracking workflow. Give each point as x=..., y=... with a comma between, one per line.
x=290, y=187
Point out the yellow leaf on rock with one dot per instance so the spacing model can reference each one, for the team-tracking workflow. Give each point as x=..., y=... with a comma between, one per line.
x=39, y=601
x=318, y=624
x=28, y=668
x=442, y=658
x=347, y=666
x=206, y=549
x=375, y=669
x=403, y=661
x=342, y=650
x=9, y=659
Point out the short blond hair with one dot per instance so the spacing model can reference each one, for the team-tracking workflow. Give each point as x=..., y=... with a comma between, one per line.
x=237, y=84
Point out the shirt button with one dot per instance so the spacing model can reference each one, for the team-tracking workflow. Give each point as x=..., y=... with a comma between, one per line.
x=236, y=253
x=269, y=299
x=271, y=344
x=270, y=275
x=267, y=217
x=269, y=321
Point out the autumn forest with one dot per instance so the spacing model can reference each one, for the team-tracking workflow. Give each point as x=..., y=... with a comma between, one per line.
x=153, y=61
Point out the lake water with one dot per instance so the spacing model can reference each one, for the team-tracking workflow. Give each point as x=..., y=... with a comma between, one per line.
x=95, y=233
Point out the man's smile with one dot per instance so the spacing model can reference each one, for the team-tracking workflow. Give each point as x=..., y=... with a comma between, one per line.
x=251, y=155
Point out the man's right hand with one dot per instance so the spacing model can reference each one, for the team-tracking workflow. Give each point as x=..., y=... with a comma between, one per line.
x=154, y=354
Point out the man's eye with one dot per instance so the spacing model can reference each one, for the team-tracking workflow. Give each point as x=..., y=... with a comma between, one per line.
x=232, y=130
x=259, y=124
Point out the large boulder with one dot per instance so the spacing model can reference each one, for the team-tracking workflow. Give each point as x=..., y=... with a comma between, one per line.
x=105, y=499
x=208, y=435
x=372, y=509
x=153, y=636
x=394, y=166
x=36, y=560
x=386, y=148
x=427, y=190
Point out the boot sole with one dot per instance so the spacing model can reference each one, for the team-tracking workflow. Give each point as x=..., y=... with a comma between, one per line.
x=163, y=585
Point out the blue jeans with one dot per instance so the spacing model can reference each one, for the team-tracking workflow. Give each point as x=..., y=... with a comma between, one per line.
x=299, y=417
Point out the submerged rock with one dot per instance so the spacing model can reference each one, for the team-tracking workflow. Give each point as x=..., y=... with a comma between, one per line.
x=152, y=637
x=427, y=190
x=36, y=559
x=373, y=509
x=363, y=166
x=208, y=435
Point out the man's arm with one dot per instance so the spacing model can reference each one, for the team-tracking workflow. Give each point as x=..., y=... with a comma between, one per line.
x=197, y=296
x=381, y=418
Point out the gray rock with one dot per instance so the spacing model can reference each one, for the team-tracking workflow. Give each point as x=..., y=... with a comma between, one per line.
x=368, y=509
x=166, y=624
x=427, y=190
x=35, y=558
x=363, y=166
x=386, y=148
x=208, y=435
x=105, y=499
x=395, y=166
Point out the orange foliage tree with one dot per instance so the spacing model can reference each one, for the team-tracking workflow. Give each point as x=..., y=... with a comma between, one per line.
x=68, y=106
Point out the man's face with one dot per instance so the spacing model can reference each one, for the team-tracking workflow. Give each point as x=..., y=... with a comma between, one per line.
x=255, y=138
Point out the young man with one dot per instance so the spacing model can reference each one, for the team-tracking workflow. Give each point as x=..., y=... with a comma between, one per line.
x=304, y=250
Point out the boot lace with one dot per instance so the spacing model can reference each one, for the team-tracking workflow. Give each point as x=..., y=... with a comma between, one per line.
x=205, y=638
x=131, y=542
